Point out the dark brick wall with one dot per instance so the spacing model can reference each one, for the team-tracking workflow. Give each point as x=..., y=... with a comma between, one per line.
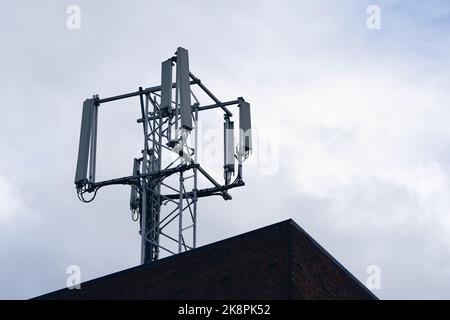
x=317, y=275
x=276, y=262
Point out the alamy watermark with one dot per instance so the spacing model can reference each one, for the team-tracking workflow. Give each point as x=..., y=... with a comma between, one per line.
x=264, y=155
x=373, y=281
x=373, y=21
x=73, y=281
x=73, y=21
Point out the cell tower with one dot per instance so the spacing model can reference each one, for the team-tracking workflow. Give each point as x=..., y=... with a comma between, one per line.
x=164, y=181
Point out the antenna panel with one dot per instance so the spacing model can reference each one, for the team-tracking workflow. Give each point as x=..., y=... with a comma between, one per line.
x=183, y=86
x=85, y=137
x=245, y=126
x=166, y=86
x=229, y=145
x=93, y=144
x=134, y=194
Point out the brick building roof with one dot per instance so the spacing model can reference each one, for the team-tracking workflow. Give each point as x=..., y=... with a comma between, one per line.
x=280, y=261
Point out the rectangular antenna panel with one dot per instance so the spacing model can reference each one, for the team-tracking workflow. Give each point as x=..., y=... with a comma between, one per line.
x=229, y=145
x=183, y=86
x=85, y=137
x=166, y=85
x=93, y=145
x=245, y=126
x=133, y=195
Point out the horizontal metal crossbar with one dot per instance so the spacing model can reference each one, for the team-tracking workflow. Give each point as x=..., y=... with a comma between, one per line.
x=220, y=190
x=134, y=180
x=136, y=93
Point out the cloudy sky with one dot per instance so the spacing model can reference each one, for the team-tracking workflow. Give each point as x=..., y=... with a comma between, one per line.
x=352, y=129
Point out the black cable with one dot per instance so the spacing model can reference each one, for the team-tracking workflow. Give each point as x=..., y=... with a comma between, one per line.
x=81, y=192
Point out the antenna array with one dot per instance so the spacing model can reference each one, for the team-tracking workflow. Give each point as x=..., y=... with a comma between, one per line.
x=165, y=191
